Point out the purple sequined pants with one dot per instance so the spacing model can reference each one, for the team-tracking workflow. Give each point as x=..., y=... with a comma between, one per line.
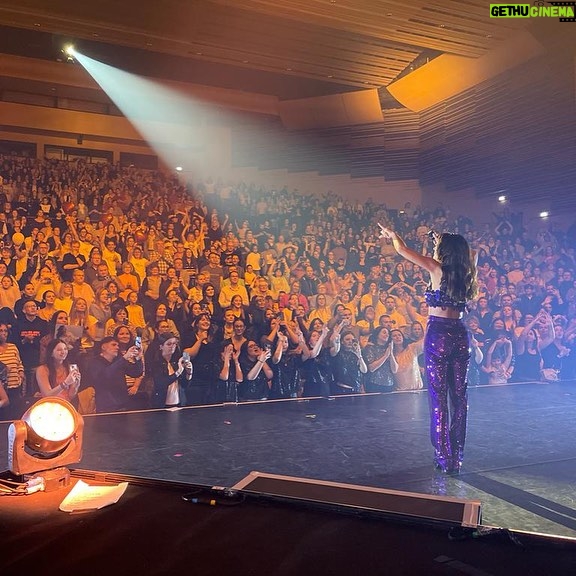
x=447, y=355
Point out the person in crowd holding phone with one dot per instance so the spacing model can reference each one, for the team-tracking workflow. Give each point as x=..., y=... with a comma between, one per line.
x=204, y=351
x=171, y=372
x=528, y=359
x=453, y=283
x=108, y=372
x=256, y=370
x=287, y=363
x=137, y=392
x=57, y=377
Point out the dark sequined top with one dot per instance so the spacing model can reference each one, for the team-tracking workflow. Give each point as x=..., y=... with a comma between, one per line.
x=439, y=298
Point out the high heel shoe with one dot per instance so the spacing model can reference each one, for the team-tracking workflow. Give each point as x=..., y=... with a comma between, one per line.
x=448, y=467
x=441, y=464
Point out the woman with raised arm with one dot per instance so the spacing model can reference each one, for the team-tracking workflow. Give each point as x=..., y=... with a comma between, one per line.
x=257, y=373
x=452, y=271
x=287, y=362
x=317, y=368
x=528, y=359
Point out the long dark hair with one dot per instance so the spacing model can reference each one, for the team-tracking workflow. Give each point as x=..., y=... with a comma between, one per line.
x=536, y=345
x=50, y=361
x=458, y=268
x=373, y=338
x=123, y=347
x=53, y=320
x=211, y=330
x=154, y=348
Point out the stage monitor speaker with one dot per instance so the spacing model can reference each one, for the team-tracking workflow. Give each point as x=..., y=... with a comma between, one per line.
x=405, y=505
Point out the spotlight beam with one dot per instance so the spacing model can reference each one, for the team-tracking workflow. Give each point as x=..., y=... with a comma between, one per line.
x=171, y=123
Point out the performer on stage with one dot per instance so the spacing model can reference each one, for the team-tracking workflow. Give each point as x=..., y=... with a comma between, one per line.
x=446, y=347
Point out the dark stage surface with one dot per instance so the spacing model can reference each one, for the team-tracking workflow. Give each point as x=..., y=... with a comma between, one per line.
x=520, y=455
x=153, y=531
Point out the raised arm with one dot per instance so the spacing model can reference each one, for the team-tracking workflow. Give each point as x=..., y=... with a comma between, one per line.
x=489, y=356
x=260, y=364
x=231, y=355
x=521, y=342
x=281, y=341
x=508, y=360
x=550, y=333
x=429, y=264
x=393, y=362
x=184, y=233
x=318, y=346
x=302, y=345
x=412, y=314
x=478, y=356
x=292, y=332
x=335, y=339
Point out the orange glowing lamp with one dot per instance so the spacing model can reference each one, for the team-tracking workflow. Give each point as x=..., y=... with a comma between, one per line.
x=49, y=435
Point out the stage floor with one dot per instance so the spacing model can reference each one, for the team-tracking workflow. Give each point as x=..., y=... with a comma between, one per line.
x=520, y=458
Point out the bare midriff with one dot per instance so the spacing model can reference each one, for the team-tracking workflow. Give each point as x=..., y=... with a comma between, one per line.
x=444, y=312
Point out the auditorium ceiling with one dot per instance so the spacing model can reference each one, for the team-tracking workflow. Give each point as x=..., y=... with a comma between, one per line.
x=288, y=49
x=412, y=76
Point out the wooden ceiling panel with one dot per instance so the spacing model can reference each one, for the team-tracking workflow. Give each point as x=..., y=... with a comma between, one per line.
x=350, y=43
x=464, y=28
x=271, y=55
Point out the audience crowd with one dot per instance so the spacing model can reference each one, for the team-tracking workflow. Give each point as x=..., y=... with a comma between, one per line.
x=123, y=288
